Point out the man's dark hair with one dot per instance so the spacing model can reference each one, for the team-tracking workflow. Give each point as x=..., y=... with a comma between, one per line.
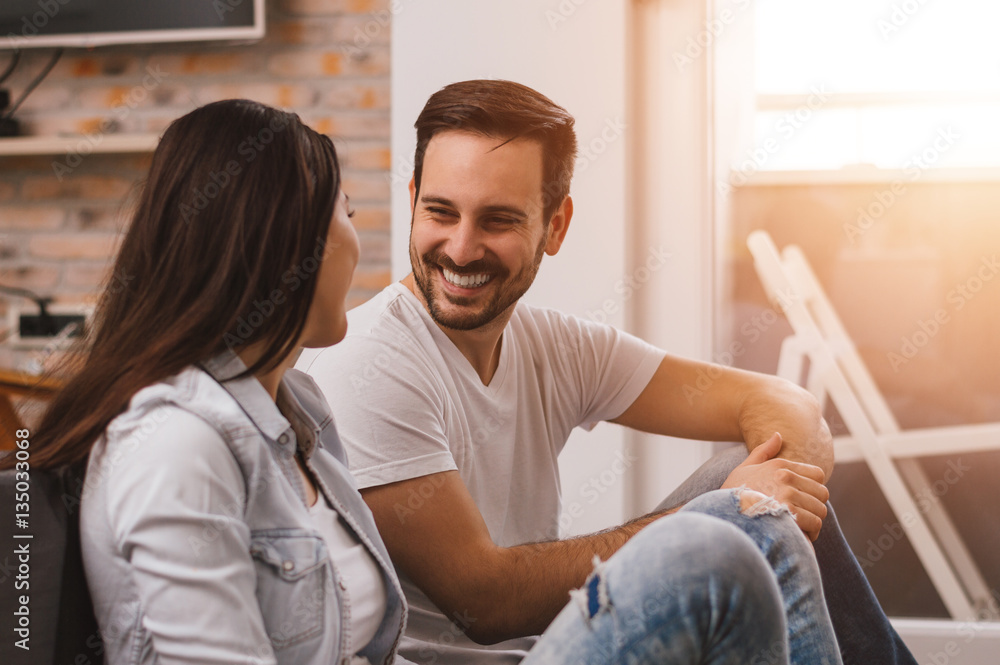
x=504, y=110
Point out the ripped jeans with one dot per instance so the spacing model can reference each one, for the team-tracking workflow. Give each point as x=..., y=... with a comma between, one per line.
x=716, y=583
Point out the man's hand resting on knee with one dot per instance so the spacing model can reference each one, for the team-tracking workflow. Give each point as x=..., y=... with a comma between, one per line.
x=796, y=484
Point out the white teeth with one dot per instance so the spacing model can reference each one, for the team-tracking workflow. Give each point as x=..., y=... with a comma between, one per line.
x=466, y=281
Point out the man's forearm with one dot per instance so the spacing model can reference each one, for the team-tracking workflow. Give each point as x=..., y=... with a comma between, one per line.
x=736, y=404
x=531, y=583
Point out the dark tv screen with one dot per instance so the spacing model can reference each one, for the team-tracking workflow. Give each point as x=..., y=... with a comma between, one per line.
x=82, y=23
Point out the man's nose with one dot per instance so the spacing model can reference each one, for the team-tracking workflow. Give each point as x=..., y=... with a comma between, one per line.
x=465, y=242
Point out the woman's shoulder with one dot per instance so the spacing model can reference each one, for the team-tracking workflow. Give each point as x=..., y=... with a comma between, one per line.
x=169, y=423
x=157, y=436
x=193, y=390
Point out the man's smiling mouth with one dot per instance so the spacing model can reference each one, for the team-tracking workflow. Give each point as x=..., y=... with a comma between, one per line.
x=465, y=281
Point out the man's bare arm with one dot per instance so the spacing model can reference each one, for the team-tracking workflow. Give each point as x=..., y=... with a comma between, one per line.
x=695, y=400
x=493, y=593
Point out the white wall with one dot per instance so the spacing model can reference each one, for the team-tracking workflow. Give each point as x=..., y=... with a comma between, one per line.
x=576, y=52
x=670, y=174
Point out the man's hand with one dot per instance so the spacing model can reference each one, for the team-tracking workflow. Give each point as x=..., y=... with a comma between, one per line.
x=796, y=484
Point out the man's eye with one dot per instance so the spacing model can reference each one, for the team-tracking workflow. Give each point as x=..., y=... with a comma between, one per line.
x=440, y=212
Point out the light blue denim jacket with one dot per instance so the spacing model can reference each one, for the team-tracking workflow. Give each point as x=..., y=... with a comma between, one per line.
x=197, y=542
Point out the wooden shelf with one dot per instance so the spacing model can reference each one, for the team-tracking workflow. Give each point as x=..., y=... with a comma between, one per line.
x=17, y=383
x=83, y=145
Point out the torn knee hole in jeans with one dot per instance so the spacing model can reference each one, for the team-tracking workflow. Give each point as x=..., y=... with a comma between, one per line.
x=593, y=598
x=755, y=504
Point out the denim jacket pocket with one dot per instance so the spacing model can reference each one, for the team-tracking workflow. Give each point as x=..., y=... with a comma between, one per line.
x=293, y=576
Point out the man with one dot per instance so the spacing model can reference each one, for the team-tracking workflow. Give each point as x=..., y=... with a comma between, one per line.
x=454, y=400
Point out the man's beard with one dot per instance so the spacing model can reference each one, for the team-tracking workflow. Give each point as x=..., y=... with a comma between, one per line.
x=504, y=295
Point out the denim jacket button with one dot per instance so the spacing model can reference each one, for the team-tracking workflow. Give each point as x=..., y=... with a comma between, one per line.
x=283, y=439
x=288, y=564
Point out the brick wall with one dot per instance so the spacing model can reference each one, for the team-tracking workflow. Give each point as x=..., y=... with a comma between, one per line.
x=61, y=216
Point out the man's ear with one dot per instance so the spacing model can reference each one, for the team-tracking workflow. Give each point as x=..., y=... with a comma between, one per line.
x=558, y=226
x=413, y=192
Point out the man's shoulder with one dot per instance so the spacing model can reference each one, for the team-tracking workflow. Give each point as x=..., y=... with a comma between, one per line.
x=547, y=325
x=569, y=340
x=386, y=310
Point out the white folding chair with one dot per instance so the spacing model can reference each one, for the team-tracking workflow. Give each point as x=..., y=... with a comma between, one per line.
x=836, y=372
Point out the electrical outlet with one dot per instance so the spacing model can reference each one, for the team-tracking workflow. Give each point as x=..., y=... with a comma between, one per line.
x=30, y=331
x=32, y=326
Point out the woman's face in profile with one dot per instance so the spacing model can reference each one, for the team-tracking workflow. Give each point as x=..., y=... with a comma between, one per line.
x=327, y=320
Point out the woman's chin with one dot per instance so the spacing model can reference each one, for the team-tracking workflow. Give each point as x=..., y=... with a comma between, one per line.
x=331, y=336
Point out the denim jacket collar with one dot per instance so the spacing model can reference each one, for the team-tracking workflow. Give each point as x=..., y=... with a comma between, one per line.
x=256, y=402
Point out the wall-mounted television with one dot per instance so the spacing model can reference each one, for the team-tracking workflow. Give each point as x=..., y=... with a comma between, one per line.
x=86, y=23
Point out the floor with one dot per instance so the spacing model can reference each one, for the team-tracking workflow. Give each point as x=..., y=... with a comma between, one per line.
x=938, y=642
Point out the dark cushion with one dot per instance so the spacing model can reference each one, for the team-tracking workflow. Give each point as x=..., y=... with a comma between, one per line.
x=62, y=627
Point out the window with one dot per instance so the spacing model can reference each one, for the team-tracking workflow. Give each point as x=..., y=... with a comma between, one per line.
x=874, y=83
x=868, y=133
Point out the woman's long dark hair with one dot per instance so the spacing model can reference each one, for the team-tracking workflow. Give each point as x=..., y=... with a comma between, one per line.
x=238, y=199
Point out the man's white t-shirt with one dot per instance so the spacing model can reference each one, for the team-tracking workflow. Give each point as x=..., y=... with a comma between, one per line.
x=408, y=404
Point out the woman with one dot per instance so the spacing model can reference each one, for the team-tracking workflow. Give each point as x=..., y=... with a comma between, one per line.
x=219, y=523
